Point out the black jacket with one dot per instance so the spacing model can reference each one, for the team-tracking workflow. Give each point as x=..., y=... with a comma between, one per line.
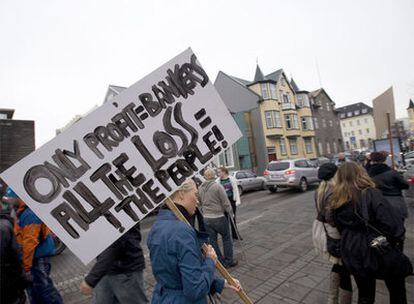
x=12, y=281
x=123, y=256
x=355, y=236
x=389, y=181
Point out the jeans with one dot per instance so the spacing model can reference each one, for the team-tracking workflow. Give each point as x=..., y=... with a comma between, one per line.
x=123, y=288
x=220, y=225
x=42, y=290
x=366, y=290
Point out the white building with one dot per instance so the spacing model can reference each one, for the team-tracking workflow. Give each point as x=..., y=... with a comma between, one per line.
x=357, y=126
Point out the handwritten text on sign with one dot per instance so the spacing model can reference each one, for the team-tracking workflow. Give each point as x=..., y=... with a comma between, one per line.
x=103, y=175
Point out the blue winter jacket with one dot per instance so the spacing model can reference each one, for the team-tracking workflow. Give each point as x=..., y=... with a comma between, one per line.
x=183, y=274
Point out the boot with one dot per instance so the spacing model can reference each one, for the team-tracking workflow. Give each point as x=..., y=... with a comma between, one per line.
x=345, y=296
x=333, y=288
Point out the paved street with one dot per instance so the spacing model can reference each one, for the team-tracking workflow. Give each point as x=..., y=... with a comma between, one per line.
x=277, y=263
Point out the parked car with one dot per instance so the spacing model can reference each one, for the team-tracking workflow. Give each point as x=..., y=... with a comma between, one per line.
x=292, y=173
x=409, y=177
x=247, y=180
x=319, y=161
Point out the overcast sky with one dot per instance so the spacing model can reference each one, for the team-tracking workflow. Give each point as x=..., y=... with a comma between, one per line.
x=57, y=58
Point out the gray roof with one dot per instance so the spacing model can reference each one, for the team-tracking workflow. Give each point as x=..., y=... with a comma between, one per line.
x=353, y=107
x=411, y=105
x=241, y=81
x=9, y=112
x=259, y=76
x=294, y=85
x=275, y=75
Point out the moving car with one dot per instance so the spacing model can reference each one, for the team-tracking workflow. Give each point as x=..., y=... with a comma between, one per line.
x=247, y=180
x=290, y=173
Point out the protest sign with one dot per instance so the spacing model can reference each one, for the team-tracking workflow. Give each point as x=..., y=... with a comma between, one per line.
x=104, y=174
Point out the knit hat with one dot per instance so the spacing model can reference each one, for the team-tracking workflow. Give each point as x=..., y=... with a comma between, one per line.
x=327, y=171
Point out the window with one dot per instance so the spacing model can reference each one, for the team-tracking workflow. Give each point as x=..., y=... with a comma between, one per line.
x=3, y=116
x=277, y=119
x=308, y=145
x=328, y=148
x=228, y=157
x=356, y=112
x=330, y=123
x=269, y=119
x=240, y=175
x=364, y=111
x=273, y=93
x=320, y=148
x=300, y=100
x=307, y=123
x=328, y=108
x=352, y=133
x=282, y=146
x=342, y=115
x=288, y=122
x=286, y=98
x=265, y=95
x=315, y=122
x=343, y=125
x=349, y=114
x=358, y=122
x=293, y=146
x=301, y=164
x=367, y=130
x=362, y=143
x=271, y=153
x=295, y=121
x=360, y=132
x=323, y=123
x=305, y=101
x=335, y=147
x=351, y=124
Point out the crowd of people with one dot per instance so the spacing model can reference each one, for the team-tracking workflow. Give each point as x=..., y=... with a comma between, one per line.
x=360, y=215
x=362, y=211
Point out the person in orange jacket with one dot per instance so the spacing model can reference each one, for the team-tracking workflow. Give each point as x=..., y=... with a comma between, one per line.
x=37, y=246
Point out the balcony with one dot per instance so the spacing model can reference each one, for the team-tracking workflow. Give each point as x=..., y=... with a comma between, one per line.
x=288, y=106
x=293, y=133
x=274, y=132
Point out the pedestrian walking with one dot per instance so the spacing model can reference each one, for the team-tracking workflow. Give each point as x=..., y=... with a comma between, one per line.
x=12, y=278
x=390, y=182
x=183, y=273
x=341, y=159
x=37, y=246
x=230, y=186
x=340, y=286
x=361, y=213
x=214, y=204
x=118, y=275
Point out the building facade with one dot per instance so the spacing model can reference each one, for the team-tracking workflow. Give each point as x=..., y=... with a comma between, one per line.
x=326, y=124
x=280, y=127
x=357, y=125
x=17, y=139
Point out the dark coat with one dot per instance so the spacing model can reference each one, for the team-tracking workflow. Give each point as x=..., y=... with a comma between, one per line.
x=183, y=274
x=123, y=256
x=354, y=234
x=12, y=282
x=389, y=181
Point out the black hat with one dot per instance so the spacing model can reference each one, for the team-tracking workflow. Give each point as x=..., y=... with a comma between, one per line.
x=327, y=171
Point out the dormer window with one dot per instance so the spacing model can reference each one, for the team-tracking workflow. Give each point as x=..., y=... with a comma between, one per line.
x=364, y=111
x=349, y=114
x=356, y=112
x=273, y=92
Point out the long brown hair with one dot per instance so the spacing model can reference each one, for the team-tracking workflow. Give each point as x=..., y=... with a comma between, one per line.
x=350, y=180
x=321, y=191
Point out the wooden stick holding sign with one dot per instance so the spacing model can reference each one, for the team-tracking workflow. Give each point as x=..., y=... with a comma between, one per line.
x=223, y=271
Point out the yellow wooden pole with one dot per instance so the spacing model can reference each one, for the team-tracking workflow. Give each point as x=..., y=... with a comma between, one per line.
x=223, y=271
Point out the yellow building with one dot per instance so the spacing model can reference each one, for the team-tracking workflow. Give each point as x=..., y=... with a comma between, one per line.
x=287, y=123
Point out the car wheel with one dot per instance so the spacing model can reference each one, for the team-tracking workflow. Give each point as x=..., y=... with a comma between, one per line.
x=240, y=190
x=273, y=189
x=303, y=185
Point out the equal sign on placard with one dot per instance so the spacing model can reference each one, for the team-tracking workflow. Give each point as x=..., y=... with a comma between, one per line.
x=206, y=121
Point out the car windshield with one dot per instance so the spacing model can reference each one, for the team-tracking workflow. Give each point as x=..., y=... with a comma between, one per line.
x=278, y=166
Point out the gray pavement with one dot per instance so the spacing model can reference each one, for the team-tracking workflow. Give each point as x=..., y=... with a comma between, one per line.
x=277, y=263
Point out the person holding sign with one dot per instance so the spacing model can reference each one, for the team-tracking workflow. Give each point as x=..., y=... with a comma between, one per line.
x=37, y=245
x=182, y=273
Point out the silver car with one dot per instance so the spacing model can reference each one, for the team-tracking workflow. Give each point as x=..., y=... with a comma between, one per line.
x=290, y=173
x=247, y=180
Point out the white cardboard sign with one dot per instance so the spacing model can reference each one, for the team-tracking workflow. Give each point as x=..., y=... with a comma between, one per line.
x=104, y=174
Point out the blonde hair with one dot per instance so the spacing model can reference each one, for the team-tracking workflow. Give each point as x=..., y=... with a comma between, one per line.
x=350, y=180
x=209, y=174
x=187, y=186
x=320, y=192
